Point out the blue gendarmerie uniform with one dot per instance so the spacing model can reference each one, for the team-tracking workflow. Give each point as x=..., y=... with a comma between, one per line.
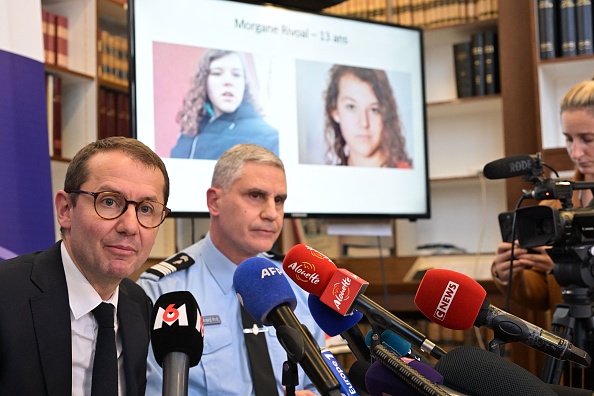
x=223, y=369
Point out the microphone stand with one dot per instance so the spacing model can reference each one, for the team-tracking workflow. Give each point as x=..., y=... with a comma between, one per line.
x=290, y=376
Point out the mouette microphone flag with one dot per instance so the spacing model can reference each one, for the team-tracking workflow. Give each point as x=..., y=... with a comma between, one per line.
x=176, y=326
x=457, y=301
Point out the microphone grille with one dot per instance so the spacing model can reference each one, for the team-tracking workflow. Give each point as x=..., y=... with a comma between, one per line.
x=479, y=372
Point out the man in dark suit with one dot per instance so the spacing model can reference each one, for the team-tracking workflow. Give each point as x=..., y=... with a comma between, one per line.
x=113, y=201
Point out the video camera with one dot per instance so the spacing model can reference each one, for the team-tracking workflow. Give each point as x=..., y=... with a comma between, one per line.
x=569, y=231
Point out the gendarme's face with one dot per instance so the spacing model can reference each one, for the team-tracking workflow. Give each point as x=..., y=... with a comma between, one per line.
x=226, y=84
x=112, y=249
x=358, y=114
x=251, y=211
x=578, y=128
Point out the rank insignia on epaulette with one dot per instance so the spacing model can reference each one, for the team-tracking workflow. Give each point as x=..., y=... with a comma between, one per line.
x=172, y=264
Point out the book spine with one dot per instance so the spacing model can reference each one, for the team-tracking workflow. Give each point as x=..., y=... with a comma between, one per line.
x=583, y=13
x=491, y=53
x=110, y=116
x=57, y=117
x=49, y=101
x=51, y=38
x=567, y=23
x=102, y=121
x=463, y=69
x=478, y=63
x=61, y=41
x=546, y=28
x=122, y=122
x=44, y=19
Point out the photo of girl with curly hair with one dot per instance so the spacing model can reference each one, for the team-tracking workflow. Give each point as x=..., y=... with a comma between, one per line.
x=220, y=110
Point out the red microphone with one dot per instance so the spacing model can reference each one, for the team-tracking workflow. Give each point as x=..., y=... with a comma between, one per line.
x=318, y=275
x=457, y=301
x=342, y=291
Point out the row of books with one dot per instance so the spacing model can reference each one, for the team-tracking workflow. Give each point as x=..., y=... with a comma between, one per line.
x=476, y=64
x=565, y=28
x=422, y=13
x=112, y=58
x=114, y=113
x=55, y=38
x=53, y=90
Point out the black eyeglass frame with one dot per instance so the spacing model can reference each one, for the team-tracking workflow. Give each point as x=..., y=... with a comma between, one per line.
x=136, y=204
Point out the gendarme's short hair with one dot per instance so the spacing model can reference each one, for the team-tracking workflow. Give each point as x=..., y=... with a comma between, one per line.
x=230, y=164
x=78, y=171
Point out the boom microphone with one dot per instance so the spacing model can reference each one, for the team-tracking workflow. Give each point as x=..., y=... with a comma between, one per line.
x=517, y=165
x=333, y=323
x=266, y=294
x=458, y=302
x=479, y=372
x=318, y=275
x=177, y=338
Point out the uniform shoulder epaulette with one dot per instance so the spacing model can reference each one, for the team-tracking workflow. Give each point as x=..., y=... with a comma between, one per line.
x=276, y=256
x=172, y=264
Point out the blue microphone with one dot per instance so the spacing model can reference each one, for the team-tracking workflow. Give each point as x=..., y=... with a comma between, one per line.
x=394, y=343
x=334, y=323
x=266, y=294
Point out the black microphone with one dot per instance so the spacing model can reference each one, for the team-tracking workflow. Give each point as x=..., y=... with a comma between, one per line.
x=457, y=301
x=357, y=374
x=478, y=372
x=266, y=294
x=177, y=338
x=517, y=165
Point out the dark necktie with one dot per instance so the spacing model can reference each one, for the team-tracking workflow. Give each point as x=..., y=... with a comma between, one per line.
x=260, y=366
x=105, y=365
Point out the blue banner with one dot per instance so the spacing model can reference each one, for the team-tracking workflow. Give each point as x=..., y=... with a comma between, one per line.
x=26, y=202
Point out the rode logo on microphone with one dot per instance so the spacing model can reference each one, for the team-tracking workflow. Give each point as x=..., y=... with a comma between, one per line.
x=171, y=315
x=446, y=300
x=305, y=272
x=518, y=166
x=343, y=288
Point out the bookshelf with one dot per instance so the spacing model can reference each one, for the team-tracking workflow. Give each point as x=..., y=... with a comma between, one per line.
x=82, y=84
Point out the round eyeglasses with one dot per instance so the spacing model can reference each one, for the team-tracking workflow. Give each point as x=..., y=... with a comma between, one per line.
x=110, y=205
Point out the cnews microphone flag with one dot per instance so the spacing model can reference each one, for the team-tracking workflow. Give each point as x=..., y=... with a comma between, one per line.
x=25, y=178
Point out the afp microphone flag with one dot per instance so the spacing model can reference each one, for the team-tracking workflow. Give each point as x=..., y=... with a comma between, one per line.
x=26, y=218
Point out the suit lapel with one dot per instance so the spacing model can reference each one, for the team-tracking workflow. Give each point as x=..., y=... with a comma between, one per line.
x=51, y=318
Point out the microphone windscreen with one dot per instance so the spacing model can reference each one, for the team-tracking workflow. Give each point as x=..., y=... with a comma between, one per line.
x=449, y=298
x=381, y=381
x=517, y=165
x=561, y=390
x=394, y=343
x=330, y=321
x=426, y=371
x=177, y=326
x=357, y=374
x=308, y=268
x=261, y=286
x=479, y=372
